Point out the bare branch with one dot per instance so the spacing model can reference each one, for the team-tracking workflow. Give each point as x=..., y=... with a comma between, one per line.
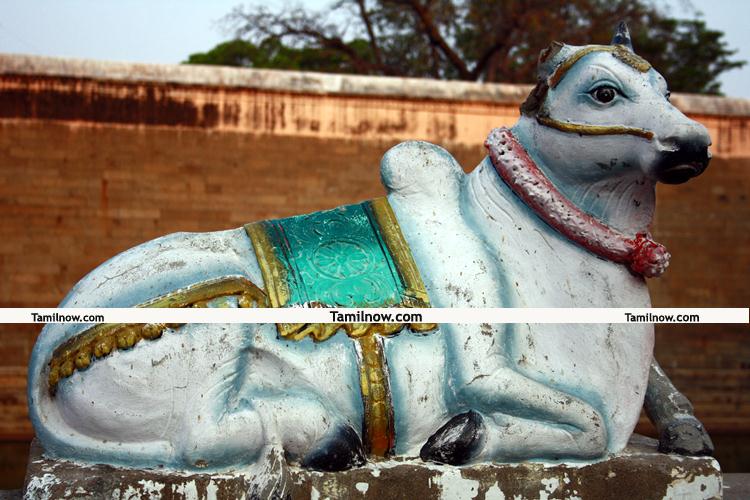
x=499, y=44
x=370, y=32
x=299, y=26
x=433, y=34
x=485, y=59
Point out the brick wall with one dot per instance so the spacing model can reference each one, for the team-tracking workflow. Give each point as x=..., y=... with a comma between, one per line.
x=98, y=157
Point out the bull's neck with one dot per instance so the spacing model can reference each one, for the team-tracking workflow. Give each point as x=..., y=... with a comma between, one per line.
x=499, y=212
x=624, y=202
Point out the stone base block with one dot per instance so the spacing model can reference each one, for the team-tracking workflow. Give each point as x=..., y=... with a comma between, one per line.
x=638, y=472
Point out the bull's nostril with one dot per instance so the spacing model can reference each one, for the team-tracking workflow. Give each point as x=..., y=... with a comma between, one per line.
x=689, y=159
x=690, y=142
x=669, y=145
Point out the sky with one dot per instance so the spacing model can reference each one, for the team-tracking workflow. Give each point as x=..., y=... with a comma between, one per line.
x=167, y=31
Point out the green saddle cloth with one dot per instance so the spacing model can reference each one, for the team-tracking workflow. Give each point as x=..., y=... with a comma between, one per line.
x=350, y=256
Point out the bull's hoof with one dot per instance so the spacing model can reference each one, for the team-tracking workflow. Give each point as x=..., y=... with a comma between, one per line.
x=457, y=442
x=341, y=450
x=685, y=436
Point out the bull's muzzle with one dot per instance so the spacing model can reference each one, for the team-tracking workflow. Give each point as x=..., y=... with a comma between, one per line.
x=688, y=158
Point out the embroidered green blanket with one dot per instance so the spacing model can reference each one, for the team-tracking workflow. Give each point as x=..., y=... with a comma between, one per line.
x=350, y=256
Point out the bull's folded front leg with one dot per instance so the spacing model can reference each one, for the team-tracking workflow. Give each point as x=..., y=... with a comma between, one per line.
x=516, y=418
x=672, y=415
x=510, y=417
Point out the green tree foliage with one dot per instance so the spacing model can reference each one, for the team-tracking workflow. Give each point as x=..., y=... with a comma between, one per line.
x=483, y=40
x=272, y=53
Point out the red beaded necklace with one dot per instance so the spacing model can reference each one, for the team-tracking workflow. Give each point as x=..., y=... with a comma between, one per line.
x=641, y=254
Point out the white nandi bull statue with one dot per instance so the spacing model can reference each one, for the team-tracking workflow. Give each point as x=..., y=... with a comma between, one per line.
x=557, y=215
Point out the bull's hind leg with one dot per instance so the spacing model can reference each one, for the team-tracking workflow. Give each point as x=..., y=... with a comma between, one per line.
x=311, y=433
x=301, y=426
x=230, y=438
x=244, y=399
x=239, y=407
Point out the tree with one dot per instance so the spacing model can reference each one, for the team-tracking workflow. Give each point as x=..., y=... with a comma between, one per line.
x=484, y=40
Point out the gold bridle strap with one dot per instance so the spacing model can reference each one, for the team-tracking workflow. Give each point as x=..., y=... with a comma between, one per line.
x=587, y=129
x=619, y=51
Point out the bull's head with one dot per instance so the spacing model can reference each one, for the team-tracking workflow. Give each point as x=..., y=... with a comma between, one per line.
x=602, y=112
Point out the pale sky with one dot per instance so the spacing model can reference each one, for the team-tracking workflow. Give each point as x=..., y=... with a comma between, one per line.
x=167, y=31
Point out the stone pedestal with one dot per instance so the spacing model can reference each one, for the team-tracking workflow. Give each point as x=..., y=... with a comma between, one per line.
x=638, y=472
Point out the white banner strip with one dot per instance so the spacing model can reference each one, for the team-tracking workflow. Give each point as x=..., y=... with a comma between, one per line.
x=382, y=315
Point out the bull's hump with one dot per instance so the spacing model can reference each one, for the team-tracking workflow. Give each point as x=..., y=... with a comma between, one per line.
x=421, y=169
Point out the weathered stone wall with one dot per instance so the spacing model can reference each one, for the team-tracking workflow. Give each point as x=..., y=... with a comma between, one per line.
x=98, y=157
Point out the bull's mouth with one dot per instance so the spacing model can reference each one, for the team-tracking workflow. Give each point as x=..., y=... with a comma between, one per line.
x=678, y=174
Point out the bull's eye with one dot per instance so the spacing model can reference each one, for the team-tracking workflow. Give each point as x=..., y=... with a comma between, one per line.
x=604, y=94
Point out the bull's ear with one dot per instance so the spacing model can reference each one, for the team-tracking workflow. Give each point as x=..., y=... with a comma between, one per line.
x=622, y=36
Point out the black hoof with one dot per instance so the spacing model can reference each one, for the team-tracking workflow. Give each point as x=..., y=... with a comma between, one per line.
x=341, y=450
x=456, y=442
x=686, y=436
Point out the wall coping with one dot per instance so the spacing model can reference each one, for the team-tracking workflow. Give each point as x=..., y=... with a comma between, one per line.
x=316, y=83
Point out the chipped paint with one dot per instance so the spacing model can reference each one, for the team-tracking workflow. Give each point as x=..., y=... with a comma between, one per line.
x=187, y=490
x=453, y=486
x=39, y=487
x=151, y=488
x=362, y=487
x=709, y=486
x=494, y=493
x=550, y=486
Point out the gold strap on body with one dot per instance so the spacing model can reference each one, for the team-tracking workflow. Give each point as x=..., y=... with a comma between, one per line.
x=378, y=426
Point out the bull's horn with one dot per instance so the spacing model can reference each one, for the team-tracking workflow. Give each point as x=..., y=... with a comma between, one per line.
x=622, y=36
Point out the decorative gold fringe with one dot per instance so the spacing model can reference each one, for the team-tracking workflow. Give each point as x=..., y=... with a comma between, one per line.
x=97, y=342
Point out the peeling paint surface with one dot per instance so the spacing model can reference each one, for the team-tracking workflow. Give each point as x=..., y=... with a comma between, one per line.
x=639, y=472
x=705, y=486
x=494, y=493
